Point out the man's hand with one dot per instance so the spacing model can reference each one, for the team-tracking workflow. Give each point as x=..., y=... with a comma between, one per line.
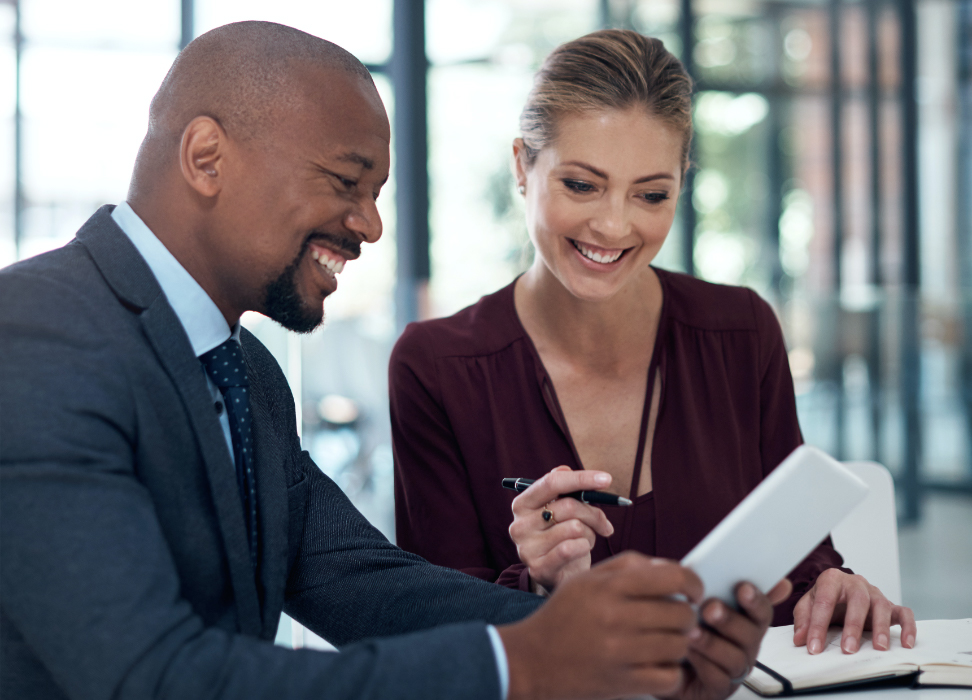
x=722, y=652
x=615, y=630
x=839, y=598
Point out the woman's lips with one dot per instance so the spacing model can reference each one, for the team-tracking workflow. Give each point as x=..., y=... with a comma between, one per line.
x=596, y=255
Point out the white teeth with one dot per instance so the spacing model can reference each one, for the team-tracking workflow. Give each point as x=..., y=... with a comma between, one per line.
x=335, y=266
x=596, y=257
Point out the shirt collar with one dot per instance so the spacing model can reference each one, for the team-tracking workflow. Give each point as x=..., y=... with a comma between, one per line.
x=200, y=317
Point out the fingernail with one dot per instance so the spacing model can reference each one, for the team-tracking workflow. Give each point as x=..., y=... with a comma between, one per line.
x=882, y=641
x=602, y=479
x=814, y=646
x=695, y=634
x=909, y=641
x=715, y=613
x=850, y=645
x=747, y=594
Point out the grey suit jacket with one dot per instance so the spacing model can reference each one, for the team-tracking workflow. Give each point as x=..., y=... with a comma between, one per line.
x=124, y=570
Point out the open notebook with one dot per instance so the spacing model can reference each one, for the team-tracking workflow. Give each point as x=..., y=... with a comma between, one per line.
x=942, y=656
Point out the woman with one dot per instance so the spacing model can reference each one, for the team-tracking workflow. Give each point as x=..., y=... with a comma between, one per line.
x=645, y=383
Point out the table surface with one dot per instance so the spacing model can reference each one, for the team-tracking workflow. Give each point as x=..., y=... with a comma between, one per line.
x=874, y=694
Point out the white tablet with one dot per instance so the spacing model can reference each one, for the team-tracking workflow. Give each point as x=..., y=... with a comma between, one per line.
x=777, y=525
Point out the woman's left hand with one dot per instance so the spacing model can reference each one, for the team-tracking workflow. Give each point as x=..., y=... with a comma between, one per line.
x=848, y=599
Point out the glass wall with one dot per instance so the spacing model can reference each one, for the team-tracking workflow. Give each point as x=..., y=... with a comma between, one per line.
x=819, y=226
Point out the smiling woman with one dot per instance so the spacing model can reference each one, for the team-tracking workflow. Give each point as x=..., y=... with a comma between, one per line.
x=673, y=392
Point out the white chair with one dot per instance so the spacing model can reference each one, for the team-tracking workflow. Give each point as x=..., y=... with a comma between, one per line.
x=868, y=537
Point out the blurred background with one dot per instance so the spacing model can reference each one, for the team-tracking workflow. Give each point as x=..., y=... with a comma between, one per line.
x=833, y=175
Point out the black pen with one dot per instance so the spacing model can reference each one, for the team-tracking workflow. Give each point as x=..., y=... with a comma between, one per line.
x=594, y=497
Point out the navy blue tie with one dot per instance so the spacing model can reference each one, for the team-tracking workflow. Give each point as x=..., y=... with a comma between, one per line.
x=226, y=368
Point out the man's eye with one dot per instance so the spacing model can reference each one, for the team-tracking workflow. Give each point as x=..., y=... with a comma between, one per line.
x=346, y=183
x=578, y=186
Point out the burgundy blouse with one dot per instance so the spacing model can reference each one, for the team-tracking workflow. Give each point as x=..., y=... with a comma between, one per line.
x=471, y=403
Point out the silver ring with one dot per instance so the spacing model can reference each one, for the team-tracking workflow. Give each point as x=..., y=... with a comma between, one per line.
x=745, y=674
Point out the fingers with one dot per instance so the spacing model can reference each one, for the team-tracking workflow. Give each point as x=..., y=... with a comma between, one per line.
x=565, y=509
x=801, y=618
x=780, y=592
x=825, y=593
x=857, y=596
x=880, y=615
x=638, y=576
x=903, y=616
x=558, y=482
x=758, y=607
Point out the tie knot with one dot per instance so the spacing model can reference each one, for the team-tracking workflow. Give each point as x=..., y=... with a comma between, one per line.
x=224, y=365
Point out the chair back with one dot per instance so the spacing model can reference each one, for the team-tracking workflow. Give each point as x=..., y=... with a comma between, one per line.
x=868, y=537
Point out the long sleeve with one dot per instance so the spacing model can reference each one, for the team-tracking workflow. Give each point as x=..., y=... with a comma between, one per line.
x=436, y=515
x=780, y=435
x=94, y=600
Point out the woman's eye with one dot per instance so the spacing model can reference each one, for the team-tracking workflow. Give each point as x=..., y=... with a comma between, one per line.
x=655, y=197
x=578, y=186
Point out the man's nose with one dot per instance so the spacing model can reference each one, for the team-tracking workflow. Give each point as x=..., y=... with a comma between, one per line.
x=364, y=220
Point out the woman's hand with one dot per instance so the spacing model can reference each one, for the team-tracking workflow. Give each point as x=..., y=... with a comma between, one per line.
x=839, y=598
x=556, y=549
x=723, y=649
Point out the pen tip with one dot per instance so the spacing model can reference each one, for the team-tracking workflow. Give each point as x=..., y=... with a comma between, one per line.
x=624, y=501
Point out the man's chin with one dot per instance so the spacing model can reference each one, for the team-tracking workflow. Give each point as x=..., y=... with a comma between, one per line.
x=305, y=321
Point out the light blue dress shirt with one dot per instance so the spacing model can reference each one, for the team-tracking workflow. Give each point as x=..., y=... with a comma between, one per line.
x=207, y=328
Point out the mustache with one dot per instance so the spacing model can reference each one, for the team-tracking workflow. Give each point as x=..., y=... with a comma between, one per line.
x=348, y=246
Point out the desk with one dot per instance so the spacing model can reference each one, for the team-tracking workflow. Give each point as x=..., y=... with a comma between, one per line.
x=745, y=693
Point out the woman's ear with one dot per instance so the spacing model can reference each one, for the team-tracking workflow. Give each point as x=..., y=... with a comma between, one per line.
x=519, y=165
x=201, y=155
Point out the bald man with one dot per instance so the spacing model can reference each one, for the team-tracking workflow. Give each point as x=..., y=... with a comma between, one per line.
x=157, y=511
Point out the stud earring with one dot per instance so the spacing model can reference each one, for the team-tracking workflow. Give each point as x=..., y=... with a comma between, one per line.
x=521, y=189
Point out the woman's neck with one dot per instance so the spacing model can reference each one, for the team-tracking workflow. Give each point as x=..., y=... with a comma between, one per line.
x=609, y=335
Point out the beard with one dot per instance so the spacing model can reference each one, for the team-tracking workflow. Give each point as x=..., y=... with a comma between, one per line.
x=282, y=302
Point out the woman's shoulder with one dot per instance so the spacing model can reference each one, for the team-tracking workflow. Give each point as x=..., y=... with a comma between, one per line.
x=714, y=307
x=483, y=328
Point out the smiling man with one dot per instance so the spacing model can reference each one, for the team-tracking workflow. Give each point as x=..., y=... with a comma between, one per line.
x=156, y=511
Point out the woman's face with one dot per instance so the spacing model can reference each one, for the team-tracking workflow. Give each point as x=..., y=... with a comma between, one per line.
x=601, y=198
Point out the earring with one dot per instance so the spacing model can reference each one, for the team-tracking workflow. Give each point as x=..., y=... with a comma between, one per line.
x=521, y=189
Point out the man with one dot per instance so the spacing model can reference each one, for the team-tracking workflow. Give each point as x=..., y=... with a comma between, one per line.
x=157, y=511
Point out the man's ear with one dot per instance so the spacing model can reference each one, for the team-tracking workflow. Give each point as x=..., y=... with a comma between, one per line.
x=201, y=155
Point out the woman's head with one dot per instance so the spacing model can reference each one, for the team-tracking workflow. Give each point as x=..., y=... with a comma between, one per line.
x=609, y=69
x=606, y=132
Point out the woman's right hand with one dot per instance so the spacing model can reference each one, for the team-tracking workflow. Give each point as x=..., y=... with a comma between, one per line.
x=556, y=550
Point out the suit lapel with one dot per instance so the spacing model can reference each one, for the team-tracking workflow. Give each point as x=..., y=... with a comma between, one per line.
x=271, y=484
x=132, y=280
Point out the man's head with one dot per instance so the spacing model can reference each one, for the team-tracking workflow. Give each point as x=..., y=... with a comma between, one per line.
x=265, y=152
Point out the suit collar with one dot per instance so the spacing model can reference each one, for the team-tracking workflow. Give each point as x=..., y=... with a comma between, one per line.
x=119, y=262
x=130, y=278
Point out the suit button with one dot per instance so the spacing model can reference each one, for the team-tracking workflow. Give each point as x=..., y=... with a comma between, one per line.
x=219, y=407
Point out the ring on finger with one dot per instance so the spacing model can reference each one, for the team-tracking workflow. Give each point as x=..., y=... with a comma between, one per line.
x=548, y=516
x=742, y=676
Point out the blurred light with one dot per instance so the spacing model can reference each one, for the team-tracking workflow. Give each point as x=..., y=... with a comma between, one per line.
x=723, y=113
x=710, y=190
x=796, y=231
x=797, y=44
x=721, y=257
x=338, y=410
x=801, y=364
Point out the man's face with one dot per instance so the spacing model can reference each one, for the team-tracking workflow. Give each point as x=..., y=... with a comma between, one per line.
x=300, y=200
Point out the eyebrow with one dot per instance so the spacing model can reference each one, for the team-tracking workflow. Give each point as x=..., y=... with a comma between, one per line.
x=357, y=159
x=602, y=174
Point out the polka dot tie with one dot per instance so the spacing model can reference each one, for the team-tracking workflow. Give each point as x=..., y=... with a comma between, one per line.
x=226, y=368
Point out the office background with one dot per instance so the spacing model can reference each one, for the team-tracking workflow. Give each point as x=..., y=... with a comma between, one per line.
x=862, y=242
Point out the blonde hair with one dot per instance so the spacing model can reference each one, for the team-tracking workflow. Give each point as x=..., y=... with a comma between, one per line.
x=614, y=69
